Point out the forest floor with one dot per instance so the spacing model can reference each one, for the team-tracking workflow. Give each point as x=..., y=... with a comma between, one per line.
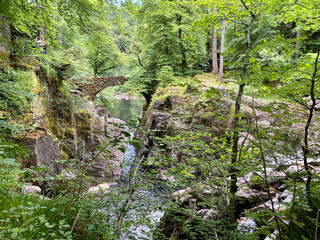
x=265, y=91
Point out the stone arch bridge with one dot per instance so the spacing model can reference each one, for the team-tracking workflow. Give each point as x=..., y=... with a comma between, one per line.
x=95, y=85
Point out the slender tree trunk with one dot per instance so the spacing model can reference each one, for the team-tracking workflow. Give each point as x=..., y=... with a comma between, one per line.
x=95, y=72
x=183, y=51
x=296, y=53
x=148, y=98
x=223, y=32
x=215, y=68
x=234, y=156
x=208, y=50
x=306, y=150
x=235, y=138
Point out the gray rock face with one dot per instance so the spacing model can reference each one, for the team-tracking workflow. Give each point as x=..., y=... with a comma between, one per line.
x=46, y=152
x=106, y=161
x=158, y=104
x=157, y=119
x=43, y=151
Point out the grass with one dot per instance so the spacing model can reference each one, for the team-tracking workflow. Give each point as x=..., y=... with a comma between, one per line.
x=34, y=217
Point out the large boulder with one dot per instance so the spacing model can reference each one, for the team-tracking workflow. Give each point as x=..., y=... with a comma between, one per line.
x=43, y=151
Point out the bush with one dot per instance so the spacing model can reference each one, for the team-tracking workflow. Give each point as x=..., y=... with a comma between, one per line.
x=15, y=92
x=165, y=75
x=31, y=217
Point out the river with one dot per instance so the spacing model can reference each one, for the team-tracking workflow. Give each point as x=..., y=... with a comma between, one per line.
x=142, y=212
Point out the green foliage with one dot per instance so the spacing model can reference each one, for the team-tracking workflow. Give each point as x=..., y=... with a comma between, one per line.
x=165, y=75
x=10, y=171
x=15, y=88
x=153, y=42
x=27, y=216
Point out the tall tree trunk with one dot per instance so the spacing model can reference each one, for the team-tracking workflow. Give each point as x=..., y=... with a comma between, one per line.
x=182, y=49
x=234, y=156
x=235, y=137
x=223, y=32
x=215, y=68
x=95, y=71
x=297, y=47
x=306, y=150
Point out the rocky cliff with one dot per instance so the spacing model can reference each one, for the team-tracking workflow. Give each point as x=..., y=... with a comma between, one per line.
x=189, y=137
x=69, y=131
x=176, y=110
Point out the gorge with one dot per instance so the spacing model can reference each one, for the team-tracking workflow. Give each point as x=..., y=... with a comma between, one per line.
x=159, y=119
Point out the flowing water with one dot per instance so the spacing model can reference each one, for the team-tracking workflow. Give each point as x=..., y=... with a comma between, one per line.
x=145, y=202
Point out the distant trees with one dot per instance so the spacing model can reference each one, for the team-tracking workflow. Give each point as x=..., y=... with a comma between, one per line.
x=103, y=52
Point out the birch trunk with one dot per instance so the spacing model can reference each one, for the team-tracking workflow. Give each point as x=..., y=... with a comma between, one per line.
x=215, y=68
x=223, y=31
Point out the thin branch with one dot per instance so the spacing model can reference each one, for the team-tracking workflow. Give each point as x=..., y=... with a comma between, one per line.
x=252, y=15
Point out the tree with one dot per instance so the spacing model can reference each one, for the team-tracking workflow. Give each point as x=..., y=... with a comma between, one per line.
x=103, y=53
x=223, y=32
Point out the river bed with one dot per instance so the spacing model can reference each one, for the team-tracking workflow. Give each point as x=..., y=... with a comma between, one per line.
x=143, y=209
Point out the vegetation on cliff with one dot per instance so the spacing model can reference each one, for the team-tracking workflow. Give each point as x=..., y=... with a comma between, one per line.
x=231, y=94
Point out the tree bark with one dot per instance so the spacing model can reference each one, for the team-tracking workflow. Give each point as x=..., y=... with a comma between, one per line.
x=235, y=137
x=297, y=47
x=306, y=150
x=223, y=31
x=215, y=68
x=182, y=49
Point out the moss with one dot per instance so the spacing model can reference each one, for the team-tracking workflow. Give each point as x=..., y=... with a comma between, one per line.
x=64, y=154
